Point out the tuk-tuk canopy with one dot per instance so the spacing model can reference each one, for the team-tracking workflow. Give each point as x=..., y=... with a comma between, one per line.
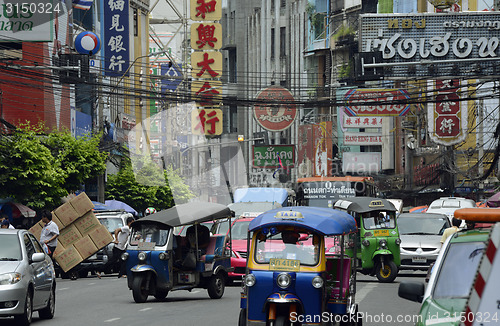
x=325, y=221
x=365, y=204
x=189, y=213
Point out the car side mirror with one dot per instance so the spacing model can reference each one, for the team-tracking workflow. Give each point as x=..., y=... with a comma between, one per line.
x=37, y=257
x=412, y=291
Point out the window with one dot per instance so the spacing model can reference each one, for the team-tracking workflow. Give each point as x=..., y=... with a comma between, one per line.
x=30, y=249
x=283, y=4
x=282, y=42
x=272, y=43
x=10, y=249
x=136, y=22
x=38, y=247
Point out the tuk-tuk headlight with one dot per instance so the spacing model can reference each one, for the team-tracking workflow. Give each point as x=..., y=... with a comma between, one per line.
x=283, y=280
x=397, y=241
x=383, y=243
x=250, y=280
x=142, y=255
x=124, y=256
x=366, y=243
x=163, y=256
x=317, y=282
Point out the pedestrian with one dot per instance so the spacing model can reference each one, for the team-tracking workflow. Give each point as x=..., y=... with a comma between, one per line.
x=50, y=232
x=3, y=218
x=5, y=224
x=121, y=236
x=455, y=224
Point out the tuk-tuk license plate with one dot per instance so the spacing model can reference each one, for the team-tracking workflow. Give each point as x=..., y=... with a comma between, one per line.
x=418, y=259
x=381, y=233
x=276, y=264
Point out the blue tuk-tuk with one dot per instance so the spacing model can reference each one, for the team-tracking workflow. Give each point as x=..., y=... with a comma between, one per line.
x=289, y=279
x=159, y=261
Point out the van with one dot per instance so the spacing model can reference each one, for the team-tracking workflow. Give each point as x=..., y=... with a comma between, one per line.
x=448, y=206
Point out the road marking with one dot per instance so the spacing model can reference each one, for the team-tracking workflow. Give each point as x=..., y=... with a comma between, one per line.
x=145, y=309
x=110, y=320
x=62, y=289
x=91, y=283
x=362, y=293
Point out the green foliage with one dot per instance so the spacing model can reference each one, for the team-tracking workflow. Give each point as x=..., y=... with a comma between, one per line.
x=317, y=19
x=152, y=190
x=343, y=30
x=37, y=169
x=345, y=70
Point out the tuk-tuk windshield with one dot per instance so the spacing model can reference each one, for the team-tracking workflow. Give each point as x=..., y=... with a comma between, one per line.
x=290, y=244
x=149, y=233
x=379, y=220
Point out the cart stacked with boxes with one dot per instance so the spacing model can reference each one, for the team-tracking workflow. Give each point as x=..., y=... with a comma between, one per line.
x=80, y=233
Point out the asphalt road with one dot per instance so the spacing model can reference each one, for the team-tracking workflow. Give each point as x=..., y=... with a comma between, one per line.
x=107, y=301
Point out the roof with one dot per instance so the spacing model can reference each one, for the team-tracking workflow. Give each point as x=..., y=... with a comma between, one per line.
x=487, y=215
x=278, y=195
x=325, y=221
x=365, y=204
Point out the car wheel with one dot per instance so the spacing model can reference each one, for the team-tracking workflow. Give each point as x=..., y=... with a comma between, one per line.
x=387, y=274
x=25, y=318
x=216, y=286
x=139, y=290
x=161, y=295
x=48, y=312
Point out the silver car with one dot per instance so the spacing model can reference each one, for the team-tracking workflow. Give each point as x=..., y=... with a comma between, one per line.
x=420, y=235
x=27, y=277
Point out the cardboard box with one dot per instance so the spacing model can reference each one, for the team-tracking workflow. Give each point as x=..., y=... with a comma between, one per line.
x=58, y=222
x=69, y=258
x=85, y=247
x=82, y=204
x=87, y=223
x=66, y=214
x=69, y=235
x=37, y=230
x=59, y=249
x=101, y=236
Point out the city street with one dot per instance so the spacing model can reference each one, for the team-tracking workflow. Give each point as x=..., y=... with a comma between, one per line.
x=107, y=301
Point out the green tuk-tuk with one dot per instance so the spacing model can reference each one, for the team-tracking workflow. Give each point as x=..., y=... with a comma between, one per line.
x=378, y=236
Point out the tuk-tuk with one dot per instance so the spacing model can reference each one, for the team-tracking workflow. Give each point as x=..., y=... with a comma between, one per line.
x=289, y=280
x=378, y=237
x=159, y=261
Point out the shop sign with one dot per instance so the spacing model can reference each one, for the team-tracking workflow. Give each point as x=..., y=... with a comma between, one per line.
x=206, y=122
x=276, y=110
x=361, y=122
x=206, y=10
x=116, y=38
x=376, y=102
x=273, y=157
x=29, y=20
x=362, y=138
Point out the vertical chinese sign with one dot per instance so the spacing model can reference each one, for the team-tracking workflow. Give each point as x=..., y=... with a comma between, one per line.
x=206, y=60
x=448, y=116
x=115, y=29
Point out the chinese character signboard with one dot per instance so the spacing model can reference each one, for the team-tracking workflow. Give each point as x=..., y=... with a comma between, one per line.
x=206, y=64
x=448, y=115
x=207, y=92
x=206, y=122
x=276, y=109
x=206, y=10
x=273, y=157
x=379, y=102
x=116, y=37
x=208, y=36
x=362, y=122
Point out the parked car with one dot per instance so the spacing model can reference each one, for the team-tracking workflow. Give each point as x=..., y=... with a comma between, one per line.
x=27, y=277
x=420, y=235
x=448, y=205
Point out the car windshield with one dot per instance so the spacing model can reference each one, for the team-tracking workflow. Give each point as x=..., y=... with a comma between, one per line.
x=418, y=225
x=288, y=244
x=458, y=270
x=379, y=220
x=111, y=223
x=240, y=230
x=10, y=249
x=148, y=233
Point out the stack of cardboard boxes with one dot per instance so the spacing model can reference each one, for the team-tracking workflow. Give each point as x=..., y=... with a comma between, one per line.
x=80, y=233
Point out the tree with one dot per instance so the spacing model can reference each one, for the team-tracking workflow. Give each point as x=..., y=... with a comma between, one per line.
x=37, y=168
x=145, y=184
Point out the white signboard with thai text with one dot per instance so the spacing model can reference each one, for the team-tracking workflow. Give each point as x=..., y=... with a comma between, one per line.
x=362, y=138
x=28, y=20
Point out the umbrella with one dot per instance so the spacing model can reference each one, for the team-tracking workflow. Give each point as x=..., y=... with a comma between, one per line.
x=98, y=206
x=494, y=201
x=419, y=209
x=20, y=210
x=188, y=213
x=116, y=204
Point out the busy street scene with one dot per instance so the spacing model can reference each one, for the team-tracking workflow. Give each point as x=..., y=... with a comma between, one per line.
x=249, y=162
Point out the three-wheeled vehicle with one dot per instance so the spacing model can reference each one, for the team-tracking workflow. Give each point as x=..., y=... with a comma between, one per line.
x=378, y=237
x=158, y=261
x=289, y=280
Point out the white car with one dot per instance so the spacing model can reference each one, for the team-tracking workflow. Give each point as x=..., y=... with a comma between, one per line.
x=448, y=206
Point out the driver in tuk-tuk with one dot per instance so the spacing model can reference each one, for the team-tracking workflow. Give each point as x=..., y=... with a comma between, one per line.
x=297, y=251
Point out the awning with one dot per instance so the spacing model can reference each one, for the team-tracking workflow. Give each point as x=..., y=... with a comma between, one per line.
x=19, y=210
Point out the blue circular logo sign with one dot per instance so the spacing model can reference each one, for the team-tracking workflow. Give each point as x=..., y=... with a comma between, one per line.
x=87, y=43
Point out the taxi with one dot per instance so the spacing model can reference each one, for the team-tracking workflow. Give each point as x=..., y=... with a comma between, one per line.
x=444, y=302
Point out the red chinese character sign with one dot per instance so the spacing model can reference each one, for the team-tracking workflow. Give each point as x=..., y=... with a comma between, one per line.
x=448, y=115
x=206, y=122
x=206, y=36
x=206, y=64
x=275, y=109
x=207, y=92
x=206, y=9
x=380, y=102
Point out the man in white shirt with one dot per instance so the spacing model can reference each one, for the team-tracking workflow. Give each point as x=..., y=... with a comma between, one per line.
x=50, y=232
x=121, y=236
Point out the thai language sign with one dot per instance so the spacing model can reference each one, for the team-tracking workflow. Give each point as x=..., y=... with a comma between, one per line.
x=327, y=190
x=379, y=102
x=116, y=37
x=28, y=20
x=459, y=43
x=273, y=157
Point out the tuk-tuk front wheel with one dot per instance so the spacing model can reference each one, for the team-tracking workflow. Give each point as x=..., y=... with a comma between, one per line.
x=386, y=273
x=139, y=288
x=216, y=286
x=242, y=320
x=161, y=295
x=281, y=321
